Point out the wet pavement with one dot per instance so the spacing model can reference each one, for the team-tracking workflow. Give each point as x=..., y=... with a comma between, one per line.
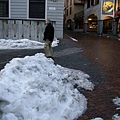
x=103, y=61
x=97, y=56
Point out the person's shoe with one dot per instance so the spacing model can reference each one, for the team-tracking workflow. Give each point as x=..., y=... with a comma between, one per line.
x=50, y=57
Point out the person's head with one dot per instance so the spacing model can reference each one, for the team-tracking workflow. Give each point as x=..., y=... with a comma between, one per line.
x=47, y=21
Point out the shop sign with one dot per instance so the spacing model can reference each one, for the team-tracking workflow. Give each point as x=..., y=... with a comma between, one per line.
x=108, y=7
x=52, y=8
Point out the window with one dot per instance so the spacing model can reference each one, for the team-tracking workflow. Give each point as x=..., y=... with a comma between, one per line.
x=70, y=2
x=4, y=8
x=88, y=3
x=92, y=2
x=67, y=3
x=37, y=9
x=70, y=10
x=82, y=1
x=96, y=2
x=67, y=12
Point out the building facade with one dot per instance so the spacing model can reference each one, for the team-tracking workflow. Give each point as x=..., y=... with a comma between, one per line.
x=99, y=16
x=117, y=15
x=74, y=13
x=38, y=10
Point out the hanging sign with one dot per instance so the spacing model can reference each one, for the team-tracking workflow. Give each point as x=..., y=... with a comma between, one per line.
x=108, y=7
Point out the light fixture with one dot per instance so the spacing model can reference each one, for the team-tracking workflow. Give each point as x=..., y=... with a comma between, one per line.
x=89, y=18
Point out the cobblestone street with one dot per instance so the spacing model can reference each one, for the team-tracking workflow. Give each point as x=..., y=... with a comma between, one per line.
x=102, y=57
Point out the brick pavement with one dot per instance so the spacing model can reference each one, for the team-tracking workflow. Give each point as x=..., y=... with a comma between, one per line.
x=104, y=53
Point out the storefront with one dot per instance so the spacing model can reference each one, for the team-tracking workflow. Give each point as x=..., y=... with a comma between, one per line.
x=99, y=18
x=92, y=23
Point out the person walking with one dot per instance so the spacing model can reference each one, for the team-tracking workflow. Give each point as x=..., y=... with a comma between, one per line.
x=48, y=39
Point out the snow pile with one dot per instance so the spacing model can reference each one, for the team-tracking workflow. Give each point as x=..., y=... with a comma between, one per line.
x=116, y=102
x=24, y=44
x=34, y=88
x=98, y=118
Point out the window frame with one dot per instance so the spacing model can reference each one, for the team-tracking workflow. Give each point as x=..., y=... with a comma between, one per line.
x=28, y=11
x=7, y=9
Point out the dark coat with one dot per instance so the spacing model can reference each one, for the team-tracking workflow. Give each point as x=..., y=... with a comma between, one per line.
x=49, y=32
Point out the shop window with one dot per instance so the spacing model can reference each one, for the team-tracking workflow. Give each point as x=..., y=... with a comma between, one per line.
x=37, y=9
x=4, y=8
x=93, y=25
